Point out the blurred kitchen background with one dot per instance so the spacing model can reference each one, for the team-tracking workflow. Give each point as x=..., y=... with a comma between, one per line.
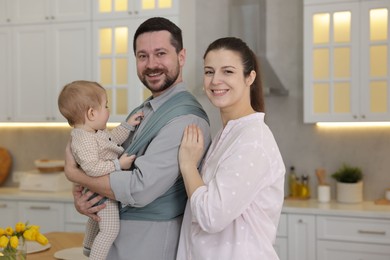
x=277, y=36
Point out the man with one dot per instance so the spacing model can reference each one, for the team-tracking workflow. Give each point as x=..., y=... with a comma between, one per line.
x=151, y=193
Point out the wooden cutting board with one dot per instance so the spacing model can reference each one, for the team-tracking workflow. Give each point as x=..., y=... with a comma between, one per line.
x=5, y=164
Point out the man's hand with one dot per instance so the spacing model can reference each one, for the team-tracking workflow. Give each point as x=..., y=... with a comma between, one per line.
x=85, y=206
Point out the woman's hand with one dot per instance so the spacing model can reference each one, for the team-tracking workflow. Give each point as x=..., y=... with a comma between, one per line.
x=190, y=152
x=85, y=206
x=191, y=148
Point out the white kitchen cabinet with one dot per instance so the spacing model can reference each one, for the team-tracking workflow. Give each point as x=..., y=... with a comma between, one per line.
x=346, y=61
x=114, y=61
x=49, y=216
x=5, y=73
x=281, y=242
x=74, y=221
x=119, y=9
x=301, y=237
x=8, y=213
x=46, y=57
x=48, y=11
x=346, y=238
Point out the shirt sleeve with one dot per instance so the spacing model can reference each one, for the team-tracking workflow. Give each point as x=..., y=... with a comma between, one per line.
x=157, y=170
x=121, y=132
x=247, y=165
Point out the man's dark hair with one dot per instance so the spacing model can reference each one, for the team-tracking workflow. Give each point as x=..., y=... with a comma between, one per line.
x=161, y=24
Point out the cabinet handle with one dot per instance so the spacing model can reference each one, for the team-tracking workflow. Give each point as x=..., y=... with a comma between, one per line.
x=300, y=221
x=130, y=12
x=3, y=206
x=363, y=116
x=53, y=17
x=47, y=17
x=372, y=232
x=40, y=207
x=136, y=12
x=8, y=20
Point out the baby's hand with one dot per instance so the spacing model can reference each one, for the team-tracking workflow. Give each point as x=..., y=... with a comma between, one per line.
x=136, y=118
x=126, y=161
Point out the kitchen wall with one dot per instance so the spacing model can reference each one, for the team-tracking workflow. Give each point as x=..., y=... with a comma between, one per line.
x=303, y=145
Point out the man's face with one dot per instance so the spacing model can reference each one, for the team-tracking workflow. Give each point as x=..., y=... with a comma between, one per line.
x=158, y=64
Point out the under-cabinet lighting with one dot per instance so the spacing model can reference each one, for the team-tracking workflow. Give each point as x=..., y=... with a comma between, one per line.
x=44, y=124
x=353, y=124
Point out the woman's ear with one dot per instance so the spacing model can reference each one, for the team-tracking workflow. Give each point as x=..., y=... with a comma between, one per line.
x=251, y=78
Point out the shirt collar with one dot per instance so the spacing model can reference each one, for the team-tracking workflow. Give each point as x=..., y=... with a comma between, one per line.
x=155, y=103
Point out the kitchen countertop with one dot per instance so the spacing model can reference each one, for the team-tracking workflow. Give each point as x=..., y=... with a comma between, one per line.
x=311, y=206
x=13, y=193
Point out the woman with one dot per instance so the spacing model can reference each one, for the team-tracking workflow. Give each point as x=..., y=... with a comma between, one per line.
x=235, y=203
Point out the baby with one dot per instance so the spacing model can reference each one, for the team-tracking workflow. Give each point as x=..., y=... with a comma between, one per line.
x=98, y=152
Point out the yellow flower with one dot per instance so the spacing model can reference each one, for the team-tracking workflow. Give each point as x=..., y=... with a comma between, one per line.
x=9, y=231
x=20, y=227
x=14, y=241
x=2, y=231
x=41, y=239
x=30, y=234
x=35, y=227
x=4, y=241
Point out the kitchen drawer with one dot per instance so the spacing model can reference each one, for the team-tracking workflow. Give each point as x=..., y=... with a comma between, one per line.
x=48, y=215
x=368, y=230
x=282, y=228
x=331, y=250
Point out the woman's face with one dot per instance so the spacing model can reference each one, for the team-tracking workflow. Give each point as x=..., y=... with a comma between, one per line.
x=224, y=81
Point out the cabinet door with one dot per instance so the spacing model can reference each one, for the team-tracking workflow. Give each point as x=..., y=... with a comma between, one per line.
x=5, y=73
x=281, y=247
x=49, y=216
x=8, y=213
x=332, y=250
x=301, y=237
x=31, y=73
x=46, y=58
x=31, y=11
x=70, y=55
x=114, y=65
x=331, y=62
x=70, y=10
x=5, y=12
x=375, y=61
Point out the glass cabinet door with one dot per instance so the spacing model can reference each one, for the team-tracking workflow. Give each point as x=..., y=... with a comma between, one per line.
x=330, y=63
x=116, y=69
x=375, y=60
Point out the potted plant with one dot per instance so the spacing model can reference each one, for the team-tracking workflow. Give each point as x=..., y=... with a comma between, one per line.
x=349, y=184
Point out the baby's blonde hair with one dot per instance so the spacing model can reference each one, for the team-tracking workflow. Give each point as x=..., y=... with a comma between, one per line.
x=77, y=98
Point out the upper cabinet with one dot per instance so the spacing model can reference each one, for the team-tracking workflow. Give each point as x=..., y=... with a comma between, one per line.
x=44, y=11
x=346, y=61
x=38, y=56
x=119, y=9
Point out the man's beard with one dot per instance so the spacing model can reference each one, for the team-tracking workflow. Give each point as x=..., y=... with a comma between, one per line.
x=168, y=82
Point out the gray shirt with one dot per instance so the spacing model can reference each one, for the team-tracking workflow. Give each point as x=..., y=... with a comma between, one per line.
x=155, y=172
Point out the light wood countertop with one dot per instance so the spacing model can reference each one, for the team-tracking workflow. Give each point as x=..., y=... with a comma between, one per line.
x=58, y=241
